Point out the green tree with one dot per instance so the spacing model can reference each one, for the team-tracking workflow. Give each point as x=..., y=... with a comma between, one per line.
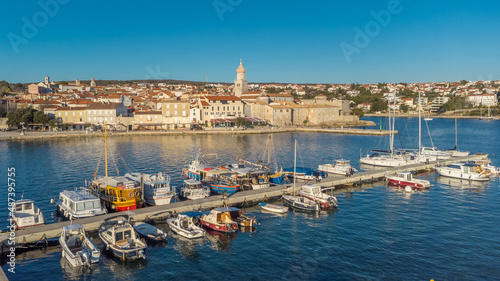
x=463, y=82
x=378, y=104
x=404, y=108
x=240, y=121
x=359, y=112
x=40, y=118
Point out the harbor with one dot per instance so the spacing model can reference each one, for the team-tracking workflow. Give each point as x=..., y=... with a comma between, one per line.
x=364, y=200
x=40, y=234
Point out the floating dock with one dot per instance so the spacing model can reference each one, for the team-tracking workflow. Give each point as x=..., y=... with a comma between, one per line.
x=40, y=234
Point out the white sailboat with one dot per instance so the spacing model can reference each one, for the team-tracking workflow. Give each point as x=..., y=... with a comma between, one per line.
x=489, y=117
x=389, y=158
x=454, y=152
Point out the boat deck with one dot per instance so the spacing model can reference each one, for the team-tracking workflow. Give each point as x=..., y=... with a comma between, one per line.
x=41, y=233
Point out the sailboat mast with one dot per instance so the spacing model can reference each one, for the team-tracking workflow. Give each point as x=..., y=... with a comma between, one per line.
x=269, y=153
x=294, y=166
x=419, y=125
x=456, y=135
x=390, y=127
x=106, y=149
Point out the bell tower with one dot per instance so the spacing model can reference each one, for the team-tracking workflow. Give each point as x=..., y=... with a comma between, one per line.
x=240, y=83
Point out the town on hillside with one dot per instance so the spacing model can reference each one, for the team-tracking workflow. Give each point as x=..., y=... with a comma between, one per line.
x=75, y=105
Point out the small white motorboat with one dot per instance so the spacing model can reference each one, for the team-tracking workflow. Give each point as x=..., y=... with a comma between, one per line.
x=121, y=239
x=77, y=247
x=184, y=226
x=313, y=192
x=150, y=232
x=274, y=208
x=26, y=214
x=465, y=171
x=302, y=203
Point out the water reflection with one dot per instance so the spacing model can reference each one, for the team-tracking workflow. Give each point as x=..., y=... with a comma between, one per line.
x=187, y=247
x=220, y=241
x=458, y=183
x=74, y=272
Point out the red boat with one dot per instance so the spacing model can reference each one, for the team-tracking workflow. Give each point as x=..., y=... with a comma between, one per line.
x=219, y=219
x=405, y=179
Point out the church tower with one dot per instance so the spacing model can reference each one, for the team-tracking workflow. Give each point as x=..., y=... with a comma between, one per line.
x=240, y=83
x=92, y=83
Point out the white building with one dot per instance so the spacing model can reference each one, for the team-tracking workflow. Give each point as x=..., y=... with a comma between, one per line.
x=483, y=99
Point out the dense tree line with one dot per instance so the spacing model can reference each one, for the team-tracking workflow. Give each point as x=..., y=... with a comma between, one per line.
x=28, y=116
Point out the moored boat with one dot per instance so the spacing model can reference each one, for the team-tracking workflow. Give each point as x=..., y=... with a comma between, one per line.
x=156, y=187
x=26, y=214
x=121, y=239
x=273, y=208
x=406, y=179
x=193, y=189
x=301, y=203
x=221, y=181
x=465, y=171
x=184, y=226
x=150, y=232
x=313, y=192
x=79, y=203
x=77, y=248
x=340, y=167
x=219, y=219
x=117, y=193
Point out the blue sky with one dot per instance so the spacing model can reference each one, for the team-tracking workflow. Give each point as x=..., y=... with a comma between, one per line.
x=279, y=41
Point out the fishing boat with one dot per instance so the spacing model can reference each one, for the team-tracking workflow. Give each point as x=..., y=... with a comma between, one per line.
x=79, y=203
x=465, y=171
x=121, y=239
x=156, y=187
x=116, y=193
x=77, y=248
x=193, y=189
x=253, y=177
x=195, y=169
x=219, y=219
x=150, y=232
x=273, y=208
x=301, y=203
x=313, y=192
x=405, y=179
x=184, y=226
x=26, y=214
x=241, y=219
x=340, y=167
x=220, y=181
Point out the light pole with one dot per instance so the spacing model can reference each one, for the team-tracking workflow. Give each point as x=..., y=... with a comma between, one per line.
x=22, y=129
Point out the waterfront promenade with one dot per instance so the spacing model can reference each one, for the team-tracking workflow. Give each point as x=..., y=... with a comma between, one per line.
x=16, y=136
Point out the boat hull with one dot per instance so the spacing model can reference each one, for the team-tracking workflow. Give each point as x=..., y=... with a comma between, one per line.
x=289, y=201
x=404, y=183
x=273, y=208
x=219, y=189
x=227, y=228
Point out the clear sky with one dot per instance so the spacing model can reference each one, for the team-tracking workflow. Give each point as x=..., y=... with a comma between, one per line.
x=279, y=41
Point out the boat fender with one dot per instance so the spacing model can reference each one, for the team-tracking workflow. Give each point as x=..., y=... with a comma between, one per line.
x=235, y=226
x=137, y=194
x=131, y=194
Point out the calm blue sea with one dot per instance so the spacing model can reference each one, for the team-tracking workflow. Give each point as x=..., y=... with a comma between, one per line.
x=450, y=232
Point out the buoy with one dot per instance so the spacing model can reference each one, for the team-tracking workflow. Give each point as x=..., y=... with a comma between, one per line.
x=408, y=188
